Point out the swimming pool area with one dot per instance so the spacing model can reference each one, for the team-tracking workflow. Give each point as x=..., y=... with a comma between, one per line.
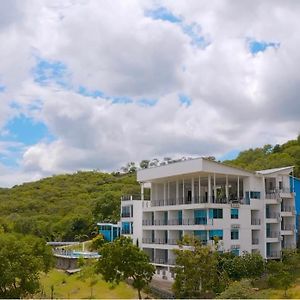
x=75, y=254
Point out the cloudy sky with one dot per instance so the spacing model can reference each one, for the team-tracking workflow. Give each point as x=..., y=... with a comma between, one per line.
x=95, y=84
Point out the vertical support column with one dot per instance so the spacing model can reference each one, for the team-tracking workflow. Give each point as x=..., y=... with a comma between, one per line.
x=165, y=193
x=182, y=190
x=177, y=192
x=215, y=188
x=168, y=195
x=238, y=188
x=199, y=189
x=227, y=189
x=209, y=188
x=193, y=190
x=142, y=191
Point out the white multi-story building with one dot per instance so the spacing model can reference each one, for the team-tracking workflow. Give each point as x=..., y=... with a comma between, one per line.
x=247, y=211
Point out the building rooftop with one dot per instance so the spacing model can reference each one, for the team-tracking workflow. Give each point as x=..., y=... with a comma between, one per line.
x=275, y=170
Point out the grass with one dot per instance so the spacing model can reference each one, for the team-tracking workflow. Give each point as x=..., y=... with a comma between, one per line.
x=70, y=287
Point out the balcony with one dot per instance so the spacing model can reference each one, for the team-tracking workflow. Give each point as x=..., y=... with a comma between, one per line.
x=273, y=254
x=163, y=261
x=273, y=234
x=273, y=215
x=255, y=241
x=160, y=241
x=176, y=222
x=255, y=221
x=288, y=227
x=289, y=246
x=126, y=215
x=134, y=197
x=287, y=208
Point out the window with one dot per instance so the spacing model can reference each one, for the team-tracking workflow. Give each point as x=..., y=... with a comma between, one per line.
x=234, y=234
x=236, y=252
x=216, y=213
x=234, y=213
x=126, y=211
x=254, y=195
x=127, y=228
x=217, y=233
x=200, y=216
x=201, y=235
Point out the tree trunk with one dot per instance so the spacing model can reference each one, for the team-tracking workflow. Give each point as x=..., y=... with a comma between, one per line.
x=139, y=292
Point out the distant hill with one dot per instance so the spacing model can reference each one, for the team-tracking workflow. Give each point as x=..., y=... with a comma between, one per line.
x=268, y=156
x=64, y=207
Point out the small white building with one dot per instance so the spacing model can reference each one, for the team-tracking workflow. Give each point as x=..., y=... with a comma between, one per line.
x=247, y=211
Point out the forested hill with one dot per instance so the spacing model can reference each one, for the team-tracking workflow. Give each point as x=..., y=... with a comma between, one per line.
x=64, y=207
x=268, y=156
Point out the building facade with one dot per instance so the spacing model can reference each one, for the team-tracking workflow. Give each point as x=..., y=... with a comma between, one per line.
x=252, y=212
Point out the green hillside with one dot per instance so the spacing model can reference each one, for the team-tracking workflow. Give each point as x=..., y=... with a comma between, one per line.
x=268, y=156
x=64, y=207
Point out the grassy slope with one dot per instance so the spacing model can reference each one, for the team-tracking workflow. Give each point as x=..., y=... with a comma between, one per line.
x=70, y=286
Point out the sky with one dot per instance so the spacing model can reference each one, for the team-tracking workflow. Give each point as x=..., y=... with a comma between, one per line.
x=94, y=84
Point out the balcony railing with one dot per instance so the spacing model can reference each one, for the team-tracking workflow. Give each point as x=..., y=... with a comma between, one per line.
x=274, y=254
x=198, y=200
x=289, y=246
x=134, y=197
x=273, y=234
x=160, y=241
x=288, y=227
x=163, y=261
x=272, y=215
x=255, y=241
x=255, y=221
x=288, y=208
x=176, y=222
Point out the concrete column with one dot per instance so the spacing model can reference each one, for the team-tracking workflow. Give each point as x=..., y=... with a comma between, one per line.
x=193, y=190
x=177, y=191
x=215, y=187
x=165, y=193
x=227, y=188
x=238, y=188
x=199, y=188
x=209, y=188
x=183, y=190
x=142, y=191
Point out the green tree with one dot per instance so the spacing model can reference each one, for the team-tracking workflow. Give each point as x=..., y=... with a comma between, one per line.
x=196, y=269
x=22, y=258
x=122, y=260
x=238, y=290
x=88, y=273
x=97, y=242
x=144, y=164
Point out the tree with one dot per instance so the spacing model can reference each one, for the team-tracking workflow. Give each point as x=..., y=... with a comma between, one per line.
x=280, y=276
x=22, y=258
x=122, y=260
x=238, y=290
x=97, y=242
x=196, y=269
x=144, y=164
x=88, y=272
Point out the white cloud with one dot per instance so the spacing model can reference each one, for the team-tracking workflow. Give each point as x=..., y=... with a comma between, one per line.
x=238, y=99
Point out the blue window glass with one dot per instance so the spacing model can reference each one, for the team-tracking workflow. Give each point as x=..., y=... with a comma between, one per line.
x=217, y=233
x=254, y=195
x=216, y=213
x=200, y=216
x=234, y=234
x=234, y=213
x=106, y=232
x=180, y=217
x=126, y=227
x=201, y=235
x=235, y=251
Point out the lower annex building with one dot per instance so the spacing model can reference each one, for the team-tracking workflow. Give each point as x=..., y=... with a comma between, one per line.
x=247, y=211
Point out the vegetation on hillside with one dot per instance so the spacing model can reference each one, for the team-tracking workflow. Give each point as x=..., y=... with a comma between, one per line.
x=268, y=156
x=64, y=207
